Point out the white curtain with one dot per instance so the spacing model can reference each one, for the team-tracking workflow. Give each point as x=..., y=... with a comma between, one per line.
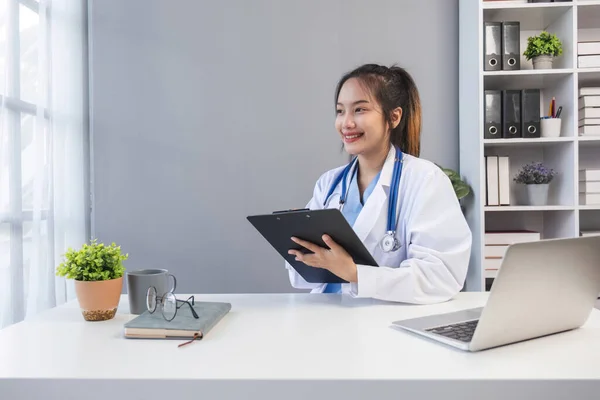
x=43, y=151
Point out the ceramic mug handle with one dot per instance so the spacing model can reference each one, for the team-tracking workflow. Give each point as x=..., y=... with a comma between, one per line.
x=172, y=290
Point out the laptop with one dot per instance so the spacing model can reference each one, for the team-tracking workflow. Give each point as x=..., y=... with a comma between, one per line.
x=542, y=288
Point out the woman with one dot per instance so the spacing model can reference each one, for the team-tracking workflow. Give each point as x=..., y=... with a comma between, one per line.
x=426, y=260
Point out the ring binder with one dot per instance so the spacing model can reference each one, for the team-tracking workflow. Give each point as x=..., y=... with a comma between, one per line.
x=493, y=114
x=492, y=40
x=511, y=46
x=511, y=114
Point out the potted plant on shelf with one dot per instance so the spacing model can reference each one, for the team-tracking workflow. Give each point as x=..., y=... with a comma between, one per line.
x=542, y=49
x=536, y=177
x=98, y=273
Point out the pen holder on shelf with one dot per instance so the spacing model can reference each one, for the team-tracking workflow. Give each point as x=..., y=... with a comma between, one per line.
x=550, y=127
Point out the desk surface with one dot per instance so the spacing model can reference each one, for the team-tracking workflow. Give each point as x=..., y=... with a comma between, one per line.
x=287, y=337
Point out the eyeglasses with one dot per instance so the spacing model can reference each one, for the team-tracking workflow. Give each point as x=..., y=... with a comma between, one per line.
x=167, y=303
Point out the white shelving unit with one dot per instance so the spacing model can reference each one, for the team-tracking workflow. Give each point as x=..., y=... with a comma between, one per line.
x=563, y=216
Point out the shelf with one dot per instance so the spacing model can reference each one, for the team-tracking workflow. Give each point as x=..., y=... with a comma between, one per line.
x=543, y=141
x=533, y=16
x=563, y=217
x=527, y=208
x=524, y=78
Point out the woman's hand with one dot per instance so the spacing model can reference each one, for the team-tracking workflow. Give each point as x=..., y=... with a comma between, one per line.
x=335, y=259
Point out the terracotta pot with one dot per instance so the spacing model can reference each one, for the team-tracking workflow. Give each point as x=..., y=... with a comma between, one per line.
x=99, y=300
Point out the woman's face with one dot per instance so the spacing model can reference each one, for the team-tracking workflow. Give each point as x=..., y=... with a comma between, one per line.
x=359, y=120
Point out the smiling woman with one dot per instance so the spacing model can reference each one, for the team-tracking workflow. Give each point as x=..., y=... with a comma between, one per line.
x=403, y=208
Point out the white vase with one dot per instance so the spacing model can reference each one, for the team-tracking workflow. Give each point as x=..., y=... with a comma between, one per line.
x=537, y=194
x=543, y=62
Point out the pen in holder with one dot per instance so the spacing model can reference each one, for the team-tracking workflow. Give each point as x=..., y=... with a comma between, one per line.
x=550, y=127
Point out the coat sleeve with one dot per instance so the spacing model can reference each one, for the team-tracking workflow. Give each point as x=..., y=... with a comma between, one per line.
x=315, y=203
x=439, y=247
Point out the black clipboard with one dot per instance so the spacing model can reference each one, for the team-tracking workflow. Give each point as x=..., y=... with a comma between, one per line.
x=278, y=228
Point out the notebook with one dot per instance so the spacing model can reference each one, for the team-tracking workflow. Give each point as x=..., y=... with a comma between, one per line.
x=183, y=326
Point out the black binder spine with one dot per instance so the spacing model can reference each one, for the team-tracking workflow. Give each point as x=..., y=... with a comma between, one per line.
x=511, y=45
x=530, y=113
x=511, y=114
x=493, y=114
x=492, y=42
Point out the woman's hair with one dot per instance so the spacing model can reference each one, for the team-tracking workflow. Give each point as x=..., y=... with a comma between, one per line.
x=392, y=87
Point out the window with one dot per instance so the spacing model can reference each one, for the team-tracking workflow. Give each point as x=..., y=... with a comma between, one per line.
x=35, y=35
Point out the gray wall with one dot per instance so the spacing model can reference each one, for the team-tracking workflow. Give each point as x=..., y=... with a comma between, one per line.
x=203, y=112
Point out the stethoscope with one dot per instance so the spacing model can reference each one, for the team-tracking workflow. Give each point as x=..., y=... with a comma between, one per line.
x=389, y=242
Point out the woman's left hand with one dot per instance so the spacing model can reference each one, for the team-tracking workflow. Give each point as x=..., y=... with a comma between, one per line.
x=335, y=259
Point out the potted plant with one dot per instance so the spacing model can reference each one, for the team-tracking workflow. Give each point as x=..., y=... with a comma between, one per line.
x=460, y=187
x=536, y=177
x=542, y=49
x=98, y=273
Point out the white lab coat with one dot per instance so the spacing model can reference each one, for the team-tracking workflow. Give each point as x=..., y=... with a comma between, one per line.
x=431, y=265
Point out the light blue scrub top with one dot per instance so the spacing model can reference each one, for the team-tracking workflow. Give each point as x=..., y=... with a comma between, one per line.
x=351, y=210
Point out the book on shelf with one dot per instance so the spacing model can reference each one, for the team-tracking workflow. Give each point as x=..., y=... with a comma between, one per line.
x=588, y=54
x=589, y=233
x=589, y=91
x=589, y=175
x=589, y=121
x=589, y=130
x=588, y=48
x=588, y=61
x=589, y=112
x=589, y=186
x=589, y=101
x=589, y=199
x=508, y=237
x=496, y=245
x=497, y=180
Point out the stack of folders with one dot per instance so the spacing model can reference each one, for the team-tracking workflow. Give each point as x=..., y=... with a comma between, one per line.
x=496, y=244
x=502, y=41
x=588, y=54
x=589, y=111
x=589, y=186
x=497, y=172
x=512, y=114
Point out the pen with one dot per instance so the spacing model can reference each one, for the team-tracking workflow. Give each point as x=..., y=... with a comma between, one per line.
x=558, y=112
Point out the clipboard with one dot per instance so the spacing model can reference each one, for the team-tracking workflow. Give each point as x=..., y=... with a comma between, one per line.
x=278, y=228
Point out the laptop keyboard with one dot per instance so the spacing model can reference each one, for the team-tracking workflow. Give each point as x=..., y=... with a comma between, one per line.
x=462, y=331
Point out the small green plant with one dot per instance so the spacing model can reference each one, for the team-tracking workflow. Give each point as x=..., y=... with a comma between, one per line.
x=543, y=44
x=93, y=262
x=460, y=187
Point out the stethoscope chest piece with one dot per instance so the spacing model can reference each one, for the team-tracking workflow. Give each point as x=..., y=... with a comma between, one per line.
x=389, y=242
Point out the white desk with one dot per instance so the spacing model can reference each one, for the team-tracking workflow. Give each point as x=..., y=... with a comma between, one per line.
x=296, y=346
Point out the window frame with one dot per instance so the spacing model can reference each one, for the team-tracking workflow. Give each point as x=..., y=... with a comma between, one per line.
x=16, y=216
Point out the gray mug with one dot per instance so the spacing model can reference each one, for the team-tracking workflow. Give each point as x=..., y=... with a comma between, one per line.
x=138, y=283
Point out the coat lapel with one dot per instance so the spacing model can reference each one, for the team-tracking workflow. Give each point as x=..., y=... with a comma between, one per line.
x=374, y=209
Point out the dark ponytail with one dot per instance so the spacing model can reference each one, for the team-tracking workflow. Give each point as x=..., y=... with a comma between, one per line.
x=393, y=87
